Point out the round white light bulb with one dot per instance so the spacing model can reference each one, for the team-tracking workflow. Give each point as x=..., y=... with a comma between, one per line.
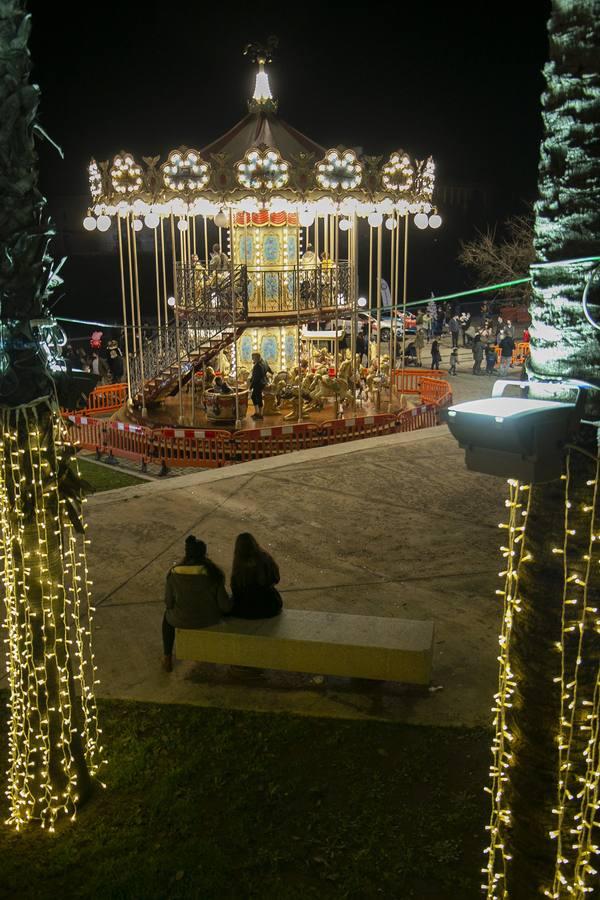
x=171, y=301
x=103, y=223
x=89, y=223
x=182, y=225
x=435, y=221
x=221, y=219
x=362, y=302
x=137, y=224
x=152, y=220
x=421, y=221
x=375, y=219
x=306, y=218
x=345, y=225
x=390, y=223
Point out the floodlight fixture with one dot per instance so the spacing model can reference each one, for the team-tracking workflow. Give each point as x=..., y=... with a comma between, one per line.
x=517, y=437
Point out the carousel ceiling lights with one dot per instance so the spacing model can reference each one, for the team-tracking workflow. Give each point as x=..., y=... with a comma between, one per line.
x=95, y=180
x=425, y=178
x=263, y=169
x=398, y=173
x=125, y=174
x=339, y=170
x=185, y=170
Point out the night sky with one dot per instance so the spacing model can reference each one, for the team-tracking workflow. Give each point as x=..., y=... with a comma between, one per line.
x=460, y=84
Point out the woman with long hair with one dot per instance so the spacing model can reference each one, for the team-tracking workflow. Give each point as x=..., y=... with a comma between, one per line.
x=195, y=595
x=254, y=574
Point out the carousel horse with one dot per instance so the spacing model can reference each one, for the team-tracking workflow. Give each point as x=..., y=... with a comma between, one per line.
x=324, y=387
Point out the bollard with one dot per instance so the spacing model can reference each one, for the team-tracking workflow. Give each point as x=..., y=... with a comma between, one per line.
x=144, y=465
x=163, y=468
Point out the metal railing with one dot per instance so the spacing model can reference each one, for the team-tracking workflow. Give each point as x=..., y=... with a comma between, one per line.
x=264, y=290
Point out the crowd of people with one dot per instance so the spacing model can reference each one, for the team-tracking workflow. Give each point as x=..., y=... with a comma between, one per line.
x=196, y=594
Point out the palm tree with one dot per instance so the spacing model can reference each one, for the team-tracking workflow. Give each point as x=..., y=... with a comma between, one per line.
x=546, y=765
x=53, y=735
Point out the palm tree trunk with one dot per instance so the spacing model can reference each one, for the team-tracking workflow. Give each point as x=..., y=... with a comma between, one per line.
x=53, y=735
x=543, y=826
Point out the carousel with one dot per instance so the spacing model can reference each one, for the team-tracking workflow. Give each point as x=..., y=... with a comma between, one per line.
x=254, y=244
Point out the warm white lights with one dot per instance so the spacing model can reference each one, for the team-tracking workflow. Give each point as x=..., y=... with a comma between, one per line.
x=390, y=223
x=398, y=173
x=182, y=225
x=151, y=220
x=375, y=219
x=221, y=219
x=95, y=180
x=185, y=170
x=339, y=170
x=126, y=175
x=421, y=221
x=345, y=224
x=261, y=169
x=89, y=223
x=435, y=220
x=262, y=88
x=137, y=224
x=103, y=223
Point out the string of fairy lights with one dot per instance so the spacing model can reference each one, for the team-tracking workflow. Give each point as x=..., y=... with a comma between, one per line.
x=578, y=777
x=48, y=623
x=515, y=555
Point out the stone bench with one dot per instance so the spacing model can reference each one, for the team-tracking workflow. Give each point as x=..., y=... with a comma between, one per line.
x=326, y=643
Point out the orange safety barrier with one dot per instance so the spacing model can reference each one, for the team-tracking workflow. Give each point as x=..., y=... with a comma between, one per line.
x=519, y=354
x=408, y=381
x=425, y=416
x=338, y=431
x=106, y=398
x=435, y=391
x=257, y=443
x=86, y=431
x=192, y=447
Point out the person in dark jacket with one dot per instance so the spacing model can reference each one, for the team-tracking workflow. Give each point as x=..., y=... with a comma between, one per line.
x=436, y=356
x=478, y=353
x=254, y=574
x=507, y=346
x=195, y=595
x=258, y=381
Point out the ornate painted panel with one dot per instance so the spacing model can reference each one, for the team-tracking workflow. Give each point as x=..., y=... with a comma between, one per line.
x=272, y=250
x=269, y=349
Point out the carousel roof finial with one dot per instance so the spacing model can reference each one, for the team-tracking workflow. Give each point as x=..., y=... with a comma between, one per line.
x=262, y=99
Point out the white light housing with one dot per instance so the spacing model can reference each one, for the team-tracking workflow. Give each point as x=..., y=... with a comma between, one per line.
x=375, y=219
x=151, y=220
x=345, y=225
x=221, y=219
x=171, y=301
x=362, y=302
x=182, y=225
x=306, y=218
x=89, y=223
x=137, y=224
x=421, y=221
x=103, y=223
x=435, y=221
x=390, y=223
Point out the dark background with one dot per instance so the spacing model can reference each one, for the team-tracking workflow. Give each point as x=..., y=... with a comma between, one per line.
x=462, y=84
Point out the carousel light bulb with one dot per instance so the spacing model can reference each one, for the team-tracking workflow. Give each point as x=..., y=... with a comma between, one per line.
x=375, y=219
x=390, y=223
x=137, y=224
x=89, y=223
x=221, y=219
x=103, y=223
x=421, y=221
x=182, y=225
x=151, y=220
x=345, y=225
x=306, y=218
x=171, y=301
x=362, y=302
x=435, y=220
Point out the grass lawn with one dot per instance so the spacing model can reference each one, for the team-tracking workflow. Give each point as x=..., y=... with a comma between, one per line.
x=103, y=478
x=211, y=804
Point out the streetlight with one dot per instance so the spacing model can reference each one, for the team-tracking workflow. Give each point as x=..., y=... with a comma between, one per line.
x=173, y=304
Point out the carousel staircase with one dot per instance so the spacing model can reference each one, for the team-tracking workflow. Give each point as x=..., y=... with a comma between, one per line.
x=165, y=383
x=206, y=326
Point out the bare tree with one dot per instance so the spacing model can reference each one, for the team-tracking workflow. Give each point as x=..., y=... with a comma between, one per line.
x=495, y=260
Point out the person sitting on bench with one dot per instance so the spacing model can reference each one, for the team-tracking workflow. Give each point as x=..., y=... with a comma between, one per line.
x=195, y=596
x=254, y=574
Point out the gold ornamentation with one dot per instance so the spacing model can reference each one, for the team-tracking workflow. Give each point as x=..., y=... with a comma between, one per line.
x=339, y=170
x=263, y=169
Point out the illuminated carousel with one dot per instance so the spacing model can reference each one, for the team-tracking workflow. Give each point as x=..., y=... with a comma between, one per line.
x=255, y=250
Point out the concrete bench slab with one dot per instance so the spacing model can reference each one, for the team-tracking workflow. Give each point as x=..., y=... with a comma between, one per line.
x=385, y=649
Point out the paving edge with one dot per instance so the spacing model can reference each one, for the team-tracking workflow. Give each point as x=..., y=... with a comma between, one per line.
x=184, y=482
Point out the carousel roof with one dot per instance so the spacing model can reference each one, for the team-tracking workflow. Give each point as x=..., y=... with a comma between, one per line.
x=263, y=128
x=262, y=162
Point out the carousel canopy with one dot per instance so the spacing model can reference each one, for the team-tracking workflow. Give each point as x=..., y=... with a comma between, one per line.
x=262, y=163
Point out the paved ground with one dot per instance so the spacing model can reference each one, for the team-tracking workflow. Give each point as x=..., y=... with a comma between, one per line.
x=392, y=526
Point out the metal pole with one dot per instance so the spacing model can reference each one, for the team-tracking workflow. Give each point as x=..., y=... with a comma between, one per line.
x=164, y=280
x=370, y=295
x=123, y=295
x=158, y=312
x=238, y=423
x=393, y=316
x=139, y=314
x=353, y=286
x=379, y=237
x=177, y=340
x=297, y=293
x=404, y=294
